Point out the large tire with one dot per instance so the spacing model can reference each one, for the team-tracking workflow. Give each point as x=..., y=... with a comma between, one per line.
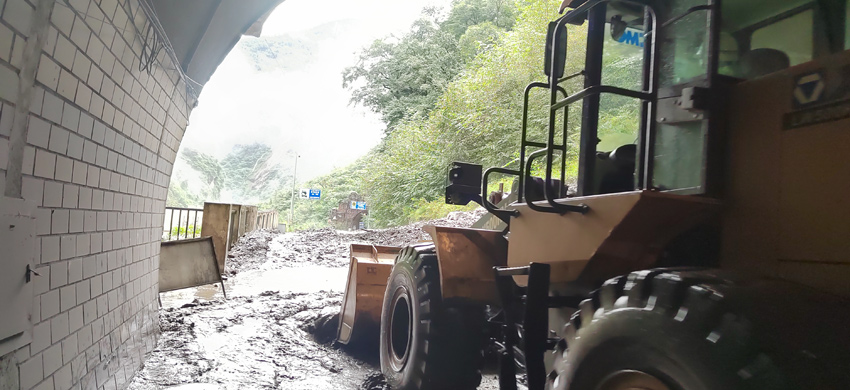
x=661, y=331
x=427, y=344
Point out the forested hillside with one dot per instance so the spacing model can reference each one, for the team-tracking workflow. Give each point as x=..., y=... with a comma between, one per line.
x=247, y=174
x=450, y=90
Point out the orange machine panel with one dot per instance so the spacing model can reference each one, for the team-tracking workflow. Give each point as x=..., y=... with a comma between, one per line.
x=621, y=233
x=788, y=212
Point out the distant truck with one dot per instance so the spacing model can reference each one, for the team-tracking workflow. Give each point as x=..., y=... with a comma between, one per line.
x=349, y=213
x=712, y=253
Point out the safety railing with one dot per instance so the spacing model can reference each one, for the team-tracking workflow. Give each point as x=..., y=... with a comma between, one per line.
x=267, y=219
x=182, y=223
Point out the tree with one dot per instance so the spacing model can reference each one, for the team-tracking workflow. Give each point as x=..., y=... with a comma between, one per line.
x=476, y=119
x=478, y=39
x=471, y=114
x=467, y=13
x=402, y=78
x=210, y=170
x=335, y=186
x=180, y=195
x=250, y=171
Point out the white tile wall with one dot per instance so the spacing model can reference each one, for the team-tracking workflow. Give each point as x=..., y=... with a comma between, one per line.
x=48, y=72
x=6, y=38
x=102, y=139
x=52, y=194
x=64, y=167
x=45, y=164
x=31, y=372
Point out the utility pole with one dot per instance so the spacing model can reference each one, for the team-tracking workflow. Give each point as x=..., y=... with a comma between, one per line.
x=292, y=200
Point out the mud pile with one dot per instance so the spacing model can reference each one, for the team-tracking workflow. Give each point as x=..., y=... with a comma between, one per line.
x=250, y=250
x=327, y=247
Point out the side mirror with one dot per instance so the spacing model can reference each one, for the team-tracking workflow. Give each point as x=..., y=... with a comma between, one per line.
x=464, y=184
x=558, y=40
x=618, y=27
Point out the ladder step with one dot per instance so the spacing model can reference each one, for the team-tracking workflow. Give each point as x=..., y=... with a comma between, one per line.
x=542, y=145
x=512, y=271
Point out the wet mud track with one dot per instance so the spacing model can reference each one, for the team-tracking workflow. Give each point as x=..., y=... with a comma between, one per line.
x=277, y=328
x=261, y=342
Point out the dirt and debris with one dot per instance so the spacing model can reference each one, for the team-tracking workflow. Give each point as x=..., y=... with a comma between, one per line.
x=375, y=381
x=327, y=247
x=254, y=342
x=278, y=329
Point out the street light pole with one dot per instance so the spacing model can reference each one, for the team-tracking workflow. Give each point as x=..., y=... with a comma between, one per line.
x=292, y=200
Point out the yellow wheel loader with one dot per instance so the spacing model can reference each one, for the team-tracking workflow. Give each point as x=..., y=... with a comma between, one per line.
x=712, y=253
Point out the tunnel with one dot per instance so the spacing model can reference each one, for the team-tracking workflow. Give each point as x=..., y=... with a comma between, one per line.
x=95, y=97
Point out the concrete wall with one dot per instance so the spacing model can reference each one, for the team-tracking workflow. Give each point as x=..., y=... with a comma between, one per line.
x=250, y=218
x=226, y=223
x=267, y=220
x=97, y=141
x=216, y=224
x=187, y=263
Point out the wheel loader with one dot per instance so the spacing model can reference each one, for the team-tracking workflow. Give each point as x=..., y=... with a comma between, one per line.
x=711, y=253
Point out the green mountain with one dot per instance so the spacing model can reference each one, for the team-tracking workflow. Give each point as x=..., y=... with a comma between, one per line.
x=292, y=51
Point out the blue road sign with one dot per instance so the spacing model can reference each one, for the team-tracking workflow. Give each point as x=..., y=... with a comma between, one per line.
x=315, y=194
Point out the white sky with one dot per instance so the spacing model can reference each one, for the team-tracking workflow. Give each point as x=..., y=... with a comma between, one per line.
x=305, y=111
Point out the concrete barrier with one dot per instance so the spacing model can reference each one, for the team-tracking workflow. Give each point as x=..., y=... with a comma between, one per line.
x=267, y=220
x=188, y=263
x=226, y=222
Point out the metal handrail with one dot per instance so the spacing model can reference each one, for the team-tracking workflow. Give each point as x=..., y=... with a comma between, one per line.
x=180, y=210
x=547, y=187
x=600, y=89
x=504, y=215
x=549, y=147
x=524, y=143
x=555, y=104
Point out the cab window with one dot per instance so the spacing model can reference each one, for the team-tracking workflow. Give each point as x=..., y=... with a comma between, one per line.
x=760, y=37
x=792, y=35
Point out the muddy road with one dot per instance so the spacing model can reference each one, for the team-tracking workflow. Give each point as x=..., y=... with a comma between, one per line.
x=276, y=328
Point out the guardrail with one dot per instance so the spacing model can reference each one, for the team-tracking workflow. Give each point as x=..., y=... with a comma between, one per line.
x=267, y=219
x=182, y=223
x=223, y=222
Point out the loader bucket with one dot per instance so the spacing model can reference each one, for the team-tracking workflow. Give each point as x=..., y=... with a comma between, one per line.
x=360, y=316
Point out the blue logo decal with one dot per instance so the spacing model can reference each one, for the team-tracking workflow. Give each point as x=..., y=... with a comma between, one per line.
x=632, y=37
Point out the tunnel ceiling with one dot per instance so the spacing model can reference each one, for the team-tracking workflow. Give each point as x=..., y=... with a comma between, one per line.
x=202, y=32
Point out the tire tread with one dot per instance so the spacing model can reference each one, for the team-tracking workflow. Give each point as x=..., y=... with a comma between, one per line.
x=689, y=298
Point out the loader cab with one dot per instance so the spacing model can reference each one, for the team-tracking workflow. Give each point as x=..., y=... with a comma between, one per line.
x=661, y=126
x=644, y=109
